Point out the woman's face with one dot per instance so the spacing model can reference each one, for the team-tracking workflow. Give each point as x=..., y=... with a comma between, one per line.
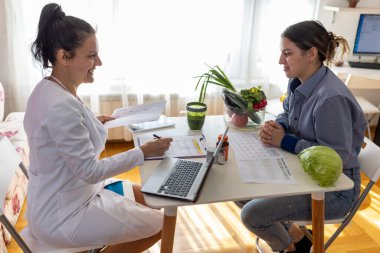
x=296, y=62
x=83, y=64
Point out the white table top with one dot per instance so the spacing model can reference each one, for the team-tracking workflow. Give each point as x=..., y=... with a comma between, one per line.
x=346, y=70
x=367, y=107
x=223, y=182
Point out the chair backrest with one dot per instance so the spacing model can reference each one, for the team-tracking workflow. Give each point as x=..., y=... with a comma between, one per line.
x=370, y=166
x=9, y=162
x=369, y=159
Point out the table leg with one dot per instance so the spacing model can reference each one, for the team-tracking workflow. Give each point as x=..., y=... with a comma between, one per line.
x=168, y=229
x=318, y=217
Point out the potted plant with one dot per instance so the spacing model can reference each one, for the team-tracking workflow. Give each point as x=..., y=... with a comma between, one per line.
x=196, y=111
x=196, y=114
x=244, y=108
x=214, y=76
x=352, y=3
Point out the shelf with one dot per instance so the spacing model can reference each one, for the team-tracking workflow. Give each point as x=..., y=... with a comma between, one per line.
x=361, y=10
x=336, y=9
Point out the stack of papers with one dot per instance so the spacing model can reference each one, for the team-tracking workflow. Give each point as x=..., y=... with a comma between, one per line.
x=136, y=114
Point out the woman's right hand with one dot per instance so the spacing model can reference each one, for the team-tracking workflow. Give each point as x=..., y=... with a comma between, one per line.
x=156, y=147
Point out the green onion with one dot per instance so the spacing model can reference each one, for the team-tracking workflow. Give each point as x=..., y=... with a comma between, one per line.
x=214, y=76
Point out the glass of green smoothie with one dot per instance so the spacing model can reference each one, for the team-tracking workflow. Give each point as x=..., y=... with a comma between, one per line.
x=196, y=114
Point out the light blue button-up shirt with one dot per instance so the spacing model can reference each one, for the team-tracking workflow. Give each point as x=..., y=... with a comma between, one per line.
x=322, y=111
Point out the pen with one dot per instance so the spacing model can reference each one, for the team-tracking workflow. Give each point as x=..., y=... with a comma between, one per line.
x=203, y=141
x=156, y=136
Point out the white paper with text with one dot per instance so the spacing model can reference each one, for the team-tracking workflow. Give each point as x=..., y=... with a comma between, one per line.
x=136, y=114
x=186, y=146
x=258, y=163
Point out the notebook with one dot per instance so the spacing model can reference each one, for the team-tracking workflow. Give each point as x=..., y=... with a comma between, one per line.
x=180, y=178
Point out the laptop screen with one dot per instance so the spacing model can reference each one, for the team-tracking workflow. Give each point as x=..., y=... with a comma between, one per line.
x=217, y=150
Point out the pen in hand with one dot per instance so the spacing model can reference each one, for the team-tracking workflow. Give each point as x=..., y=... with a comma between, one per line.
x=156, y=136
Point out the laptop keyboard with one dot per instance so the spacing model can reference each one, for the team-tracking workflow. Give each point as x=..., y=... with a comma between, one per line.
x=181, y=179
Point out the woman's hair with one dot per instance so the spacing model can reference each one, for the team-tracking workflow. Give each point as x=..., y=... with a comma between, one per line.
x=56, y=31
x=308, y=34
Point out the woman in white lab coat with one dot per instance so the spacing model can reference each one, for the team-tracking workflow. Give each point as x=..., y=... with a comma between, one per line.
x=67, y=203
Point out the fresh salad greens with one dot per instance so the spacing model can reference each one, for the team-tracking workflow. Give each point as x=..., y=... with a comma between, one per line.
x=322, y=163
x=255, y=97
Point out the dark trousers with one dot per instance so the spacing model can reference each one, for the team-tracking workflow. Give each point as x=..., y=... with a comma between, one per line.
x=377, y=134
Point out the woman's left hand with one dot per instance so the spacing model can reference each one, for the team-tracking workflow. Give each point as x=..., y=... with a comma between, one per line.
x=103, y=118
x=271, y=133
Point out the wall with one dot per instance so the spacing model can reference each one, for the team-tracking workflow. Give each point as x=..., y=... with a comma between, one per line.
x=345, y=25
x=345, y=22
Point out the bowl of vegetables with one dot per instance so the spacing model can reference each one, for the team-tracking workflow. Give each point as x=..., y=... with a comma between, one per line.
x=244, y=109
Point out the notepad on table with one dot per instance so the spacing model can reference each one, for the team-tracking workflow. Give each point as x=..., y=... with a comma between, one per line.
x=181, y=147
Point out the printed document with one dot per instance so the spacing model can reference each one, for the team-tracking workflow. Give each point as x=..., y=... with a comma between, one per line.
x=136, y=114
x=258, y=163
x=181, y=146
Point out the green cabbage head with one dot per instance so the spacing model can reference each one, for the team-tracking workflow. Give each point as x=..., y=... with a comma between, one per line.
x=322, y=163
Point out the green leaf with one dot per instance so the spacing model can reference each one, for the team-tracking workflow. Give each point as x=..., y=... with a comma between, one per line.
x=214, y=76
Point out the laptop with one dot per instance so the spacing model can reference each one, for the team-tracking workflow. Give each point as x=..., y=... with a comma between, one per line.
x=180, y=178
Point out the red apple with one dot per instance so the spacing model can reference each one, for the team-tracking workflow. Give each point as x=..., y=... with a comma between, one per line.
x=239, y=120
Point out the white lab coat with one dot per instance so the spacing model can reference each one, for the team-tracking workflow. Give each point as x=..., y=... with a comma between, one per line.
x=67, y=204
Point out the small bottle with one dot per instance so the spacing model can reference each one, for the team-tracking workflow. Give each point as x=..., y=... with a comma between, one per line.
x=223, y=153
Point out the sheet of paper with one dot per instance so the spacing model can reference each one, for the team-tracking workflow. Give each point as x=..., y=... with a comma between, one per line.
x=258, y=163
x=248, y=146
x=136, y=114
x=181, y=146
x=265, y=171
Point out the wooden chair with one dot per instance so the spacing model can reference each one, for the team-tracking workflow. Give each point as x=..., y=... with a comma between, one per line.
x=9, y=162
x=370, y=166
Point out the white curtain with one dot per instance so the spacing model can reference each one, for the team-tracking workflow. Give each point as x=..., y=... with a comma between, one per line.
x=153, y=49
x=15, y=59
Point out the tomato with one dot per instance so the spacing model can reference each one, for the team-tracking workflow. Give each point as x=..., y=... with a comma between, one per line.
x=239, y=120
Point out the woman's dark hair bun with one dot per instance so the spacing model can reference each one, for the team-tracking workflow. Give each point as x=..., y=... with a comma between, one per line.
x=56, y=31
x=50, y=13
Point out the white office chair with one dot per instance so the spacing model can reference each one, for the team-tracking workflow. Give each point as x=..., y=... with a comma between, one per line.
x=370, y=166
x=362, y=87
x=9, y=161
